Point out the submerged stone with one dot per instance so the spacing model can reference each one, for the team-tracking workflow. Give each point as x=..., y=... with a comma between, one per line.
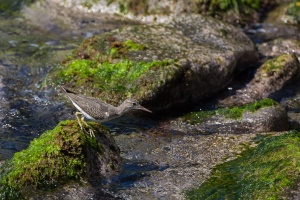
x=58, y=156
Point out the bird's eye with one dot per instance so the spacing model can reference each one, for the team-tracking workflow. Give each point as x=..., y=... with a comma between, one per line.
x=134, y=103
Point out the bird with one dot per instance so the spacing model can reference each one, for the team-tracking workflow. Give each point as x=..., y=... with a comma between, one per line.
x=97, y=110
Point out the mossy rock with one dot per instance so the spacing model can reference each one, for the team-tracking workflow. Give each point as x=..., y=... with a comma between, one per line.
x=268, y=171
x=232, y=113
x=262, y=116
x=57, y=156
x=162, y=66
x=268, y=81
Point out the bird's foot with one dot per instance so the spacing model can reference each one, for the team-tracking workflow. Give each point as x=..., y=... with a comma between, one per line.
x=91, y=132
x=88, y=130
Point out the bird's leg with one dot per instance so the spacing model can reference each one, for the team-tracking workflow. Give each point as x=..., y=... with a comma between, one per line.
x=78, y=119
x=91, y=132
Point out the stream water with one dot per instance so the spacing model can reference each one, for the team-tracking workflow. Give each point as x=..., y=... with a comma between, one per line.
x=28, y=52
x=30, y=48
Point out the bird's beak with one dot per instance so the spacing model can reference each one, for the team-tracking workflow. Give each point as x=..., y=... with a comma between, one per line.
x=143, y=108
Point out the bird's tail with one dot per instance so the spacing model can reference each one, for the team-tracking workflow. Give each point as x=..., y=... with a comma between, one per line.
x=66, y=90
x=62, y=88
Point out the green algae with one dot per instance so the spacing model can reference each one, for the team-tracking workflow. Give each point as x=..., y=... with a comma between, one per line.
x=266, y=171
x=294, y=11
x=9, y=6
x=276, y=64
x=135, y=6
x=118, y=77
x=112, y=68
x=56, y=156
x=130, y=45
x=232, y=113
x=101, y=64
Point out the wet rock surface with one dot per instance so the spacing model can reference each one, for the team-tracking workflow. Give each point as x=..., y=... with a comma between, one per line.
x=268, y=119
x=162, y=159
x=271, y=77
x=202, y=54
x=183, y=161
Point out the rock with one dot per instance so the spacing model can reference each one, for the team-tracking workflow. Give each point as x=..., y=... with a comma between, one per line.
x=262, y=116
x=60, y=155
x=272, y=76
x=182, y=161
x=267, y=119
x=280, y=46
x=163, y=66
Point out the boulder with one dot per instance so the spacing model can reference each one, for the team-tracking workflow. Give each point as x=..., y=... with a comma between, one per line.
x=58, y=156
x=163, y=66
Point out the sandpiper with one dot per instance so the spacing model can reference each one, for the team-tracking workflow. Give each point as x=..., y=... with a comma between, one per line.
x=97, y=110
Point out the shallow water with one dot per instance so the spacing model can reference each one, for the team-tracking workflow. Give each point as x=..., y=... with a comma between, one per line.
x=28, y=53
x=29, y=50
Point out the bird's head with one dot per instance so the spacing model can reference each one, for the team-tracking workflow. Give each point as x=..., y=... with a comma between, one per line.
x=132, y=104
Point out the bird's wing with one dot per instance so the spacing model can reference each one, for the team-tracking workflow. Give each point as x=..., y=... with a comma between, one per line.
x=96, y=108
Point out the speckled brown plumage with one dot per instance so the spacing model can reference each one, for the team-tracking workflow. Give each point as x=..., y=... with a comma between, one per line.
x=98, y=110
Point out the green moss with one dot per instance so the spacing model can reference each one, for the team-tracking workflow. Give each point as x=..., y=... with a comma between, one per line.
x=135, y=6
x=198, y=117
x=118, y=77
x=9, y=6
x=112, y=71
x=87, y=4
x=120, y=49
x=263, y=172
x=271, y=67
x=114, y=53
x=233, y=11
x=294, y=10
x=233, y=113
x=56, y=156
x=132, y=46
x=226, y=5
x=276, y=64
x=224, y=32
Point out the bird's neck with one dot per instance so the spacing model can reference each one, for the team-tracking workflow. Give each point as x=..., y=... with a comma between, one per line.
x=121, y=109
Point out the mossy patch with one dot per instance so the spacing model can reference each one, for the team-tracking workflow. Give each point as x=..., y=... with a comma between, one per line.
x=101, y=64
x=262, y=172
x=294, y=11
x=118, y=77
x=134, y=6
x=233, y=113
x=55, y=157
x=275, y=64
x=231, y=9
